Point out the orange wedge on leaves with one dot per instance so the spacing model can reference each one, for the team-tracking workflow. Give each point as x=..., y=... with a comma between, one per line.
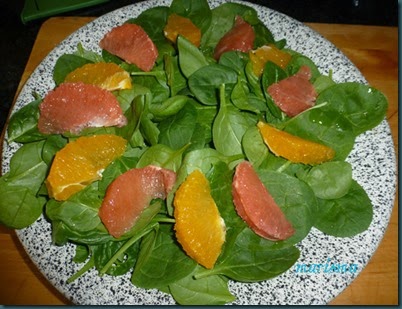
x=82, y=162
x=263, y=54
x=108, y=76
x=199, y=227
x=178, y=25
x=294, y=148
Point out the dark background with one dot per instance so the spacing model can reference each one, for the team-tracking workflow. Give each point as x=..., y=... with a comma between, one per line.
x=17, y=38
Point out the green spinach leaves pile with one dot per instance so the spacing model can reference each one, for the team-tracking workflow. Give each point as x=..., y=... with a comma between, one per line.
x=192, y=112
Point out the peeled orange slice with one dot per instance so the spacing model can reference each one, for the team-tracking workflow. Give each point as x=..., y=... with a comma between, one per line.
x=199, y=227
x=263, y=54
x=178, y=25
x=294, y=148
x=81, y=162
x=108, y=76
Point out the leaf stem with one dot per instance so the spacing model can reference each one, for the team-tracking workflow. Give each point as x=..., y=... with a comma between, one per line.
x=84, y=269
x=284, y=166
x=166, y=220
x=284, y=124
x=127, y=245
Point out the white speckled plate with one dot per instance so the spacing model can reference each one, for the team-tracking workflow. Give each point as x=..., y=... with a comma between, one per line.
x=372, y=158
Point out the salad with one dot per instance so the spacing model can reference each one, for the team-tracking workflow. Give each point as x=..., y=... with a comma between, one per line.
x=212, y=130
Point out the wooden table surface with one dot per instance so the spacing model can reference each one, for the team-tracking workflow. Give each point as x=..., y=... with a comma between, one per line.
x=373, y=49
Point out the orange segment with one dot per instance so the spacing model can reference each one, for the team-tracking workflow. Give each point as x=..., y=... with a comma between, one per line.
x=108, y=76
x=294, y=148
x=81, y=162
x=177, y=25
x=199, y=227
x=262, y=55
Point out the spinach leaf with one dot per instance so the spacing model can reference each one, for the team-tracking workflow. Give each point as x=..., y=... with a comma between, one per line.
x=205, y=118
x=51, y=146
x=80, y=212
x=297, y=61
x=324, y=126
x=152, y=21
x=272, y=74
x=87, y=54
x=163, y=262
x=220, y=178
x=190, y=57
x=212, y=290
x=252, y=259
x=19, y=207
x=23, y=124
x=168, y=108
x=330, y=180
x=163, y=156
x=205, y=82
x=254, y=82
x=322, y=82
x=126, y=96
x=297, y=201
x=66, y=64
x=196, y=10
x=62, y=234
x=202, y=159
x=235, y=60
x=132, y=130
x=147, y=127
x=364, y=107
x=102, y=253
x=254, y=147
x=229, y=127
x=346, y=216
x=175, y=77
x=223, y=17
x=177, y=130
x=155, y=80
x=122, y=164
x=81, y=253
x=27, y=168
x=241, y=95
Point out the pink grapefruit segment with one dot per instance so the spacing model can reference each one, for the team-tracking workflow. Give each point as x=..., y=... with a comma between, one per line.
x=72, y=107
x=130, y=193
x=239, y=38
x=256, y=206
x=131, y=43
x=294, y=94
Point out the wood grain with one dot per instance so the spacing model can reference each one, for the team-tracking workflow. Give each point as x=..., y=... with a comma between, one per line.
x=374, y=50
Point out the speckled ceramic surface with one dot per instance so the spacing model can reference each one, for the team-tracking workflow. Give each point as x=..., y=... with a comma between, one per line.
x=372, y=158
